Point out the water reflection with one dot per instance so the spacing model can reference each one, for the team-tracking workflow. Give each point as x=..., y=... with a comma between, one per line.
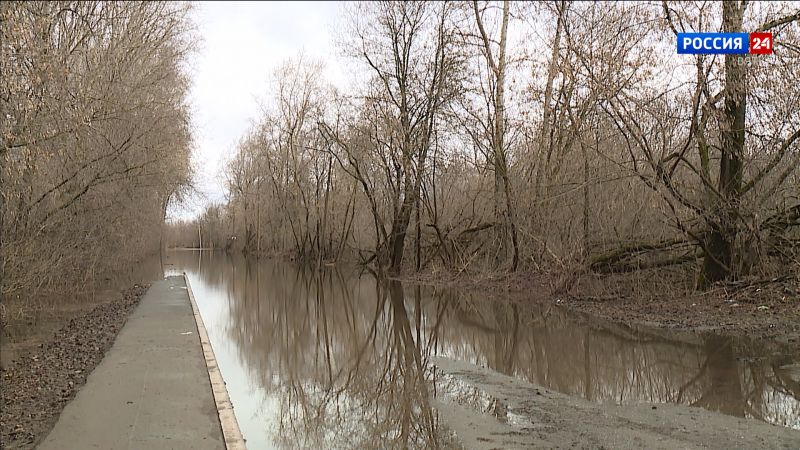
x=332, y=358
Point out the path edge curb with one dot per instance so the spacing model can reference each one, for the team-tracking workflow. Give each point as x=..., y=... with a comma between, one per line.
x=231, y=433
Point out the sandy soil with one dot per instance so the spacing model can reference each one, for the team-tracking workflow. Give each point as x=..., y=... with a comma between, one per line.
x=44, y=374
x=535, y=417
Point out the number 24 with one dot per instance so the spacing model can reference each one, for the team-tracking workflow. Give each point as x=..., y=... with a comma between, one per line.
x=762, y=43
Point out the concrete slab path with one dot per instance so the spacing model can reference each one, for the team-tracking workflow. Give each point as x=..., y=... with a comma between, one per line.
x=152, y=389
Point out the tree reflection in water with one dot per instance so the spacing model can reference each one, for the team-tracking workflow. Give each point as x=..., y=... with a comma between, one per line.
x=347, y=356
x=341, y=356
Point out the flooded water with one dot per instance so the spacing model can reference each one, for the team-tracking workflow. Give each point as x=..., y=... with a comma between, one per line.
x=334, y=358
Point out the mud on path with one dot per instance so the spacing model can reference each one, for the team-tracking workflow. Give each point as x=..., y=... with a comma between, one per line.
x=40, y=381
x=530, y=416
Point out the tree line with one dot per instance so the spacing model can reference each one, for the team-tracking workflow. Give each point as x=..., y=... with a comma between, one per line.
x=502, y=136
x=95, y=137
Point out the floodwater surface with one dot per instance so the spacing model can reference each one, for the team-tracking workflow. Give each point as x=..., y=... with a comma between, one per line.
x=334, y=358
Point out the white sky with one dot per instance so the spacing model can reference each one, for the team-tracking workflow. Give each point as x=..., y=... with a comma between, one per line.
x=242, y=43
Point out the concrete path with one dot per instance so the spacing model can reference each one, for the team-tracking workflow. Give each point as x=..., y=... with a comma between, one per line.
x=152, y=389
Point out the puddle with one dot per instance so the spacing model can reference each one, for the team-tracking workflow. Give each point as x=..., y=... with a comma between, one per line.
x=451, y=389
x=334, y=359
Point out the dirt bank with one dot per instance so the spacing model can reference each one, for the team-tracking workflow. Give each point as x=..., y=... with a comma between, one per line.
x=39, y=381
x=760, y=309
x=764, y=311
x=532, y=416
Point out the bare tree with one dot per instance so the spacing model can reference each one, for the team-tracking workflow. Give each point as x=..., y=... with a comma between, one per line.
x=607, y=152
x=95, y=135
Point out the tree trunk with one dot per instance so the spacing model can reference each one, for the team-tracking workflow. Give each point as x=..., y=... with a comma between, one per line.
x=545, y=144
x=586, y=195
x=720, y=248
x=503, y=210
x=400, y=227
x=258, y=217
x=418, y=238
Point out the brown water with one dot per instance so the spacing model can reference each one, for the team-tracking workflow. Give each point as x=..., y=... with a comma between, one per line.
x=334, y=358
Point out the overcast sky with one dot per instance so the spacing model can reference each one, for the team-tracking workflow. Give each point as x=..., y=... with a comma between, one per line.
x=241, y=45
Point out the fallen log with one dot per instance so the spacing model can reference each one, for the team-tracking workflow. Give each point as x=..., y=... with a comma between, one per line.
x=628, y=258
x=633, y=266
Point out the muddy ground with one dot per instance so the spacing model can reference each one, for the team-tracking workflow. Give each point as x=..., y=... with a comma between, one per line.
x=761, y=311
x=758, y=309
x=535, y=417
x=40, y=375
